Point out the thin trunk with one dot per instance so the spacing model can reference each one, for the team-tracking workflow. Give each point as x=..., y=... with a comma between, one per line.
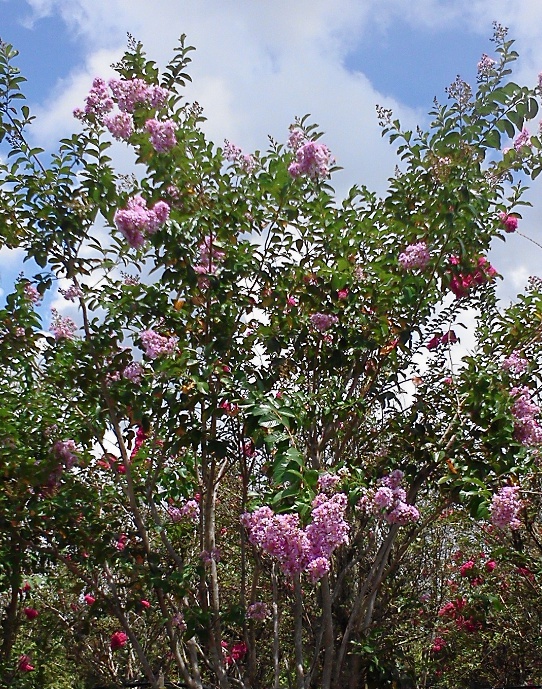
x=298, y=633
x=276, y=639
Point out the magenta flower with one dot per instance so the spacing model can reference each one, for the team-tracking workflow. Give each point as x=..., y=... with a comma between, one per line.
x=89, y=600
x=24, y=664
x=31, y=613
x=118, y=640
x=509, y=222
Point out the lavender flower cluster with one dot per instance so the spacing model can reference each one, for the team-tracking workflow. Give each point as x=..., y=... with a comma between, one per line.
x=505, y=507
x=128, y=94
x=389, y=500
x=301, y=550
x=136, y=221
x=311, y=159
x=415, y=257
x=527, y=430
x=156, y=345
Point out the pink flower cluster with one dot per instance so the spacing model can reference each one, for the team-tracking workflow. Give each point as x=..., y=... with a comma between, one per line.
x=515, y=363
x=312, y=160
x=522, y=139
x=415, y=257
x=156, y=345
x=210, y=256
x=31, y=613
x=257, y=611
x=328, y=482
x=456, y=611
x=462, y=282
x=245, y=161
x=136, y=220
x=505, y=507
x=296, y=549
x=31, y=293
x=485, y=66
x=509, y=222
x=62, y=327
x=438, y=644
x=120, y=124
x=72, y=293
x=134, y=372
x=64, y=450
x=128, y=94
x=162, y=134
x=389, y=499
x=190, y=511
x=527, y=430
x=323, y=321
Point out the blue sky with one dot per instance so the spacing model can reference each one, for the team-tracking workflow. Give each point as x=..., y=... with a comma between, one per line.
x=259, y=63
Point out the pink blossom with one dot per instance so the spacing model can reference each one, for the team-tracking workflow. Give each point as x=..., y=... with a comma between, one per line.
x=131, y=92
x=318, y=568
x=527, y=429
x=210, y=255
x=438, y=644
x=461, y=282
x=490, y=565
x=237, y=652
x=208, y=556
x=510, y=222
x=65, y=450
x=505, y=507
x=522, y=139
x=89, y=600
x=24, y=664
x=515, y=363
x=296, y=139
x=136, y=220
x=72, y=293
x=31, y=613
x=190, y=511
x=62, y=328
x=31, y=293
x=121, y=125
x=312, y=160
x=145, y=604
x=415, y=257
x=98, y=102
x=485, y=66
x=342, y=294
x=257, y=611
x=133, y=372
x=323, y=321
x=118, y=640
x=156, y=345
x=120, y=543
x=466, y=568
x=162, y=134
x=327, y=482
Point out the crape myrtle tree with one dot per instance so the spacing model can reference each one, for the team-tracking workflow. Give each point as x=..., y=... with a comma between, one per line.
x=209, y=475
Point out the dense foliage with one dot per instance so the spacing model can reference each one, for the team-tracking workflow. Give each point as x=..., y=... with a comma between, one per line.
x=251, y=458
